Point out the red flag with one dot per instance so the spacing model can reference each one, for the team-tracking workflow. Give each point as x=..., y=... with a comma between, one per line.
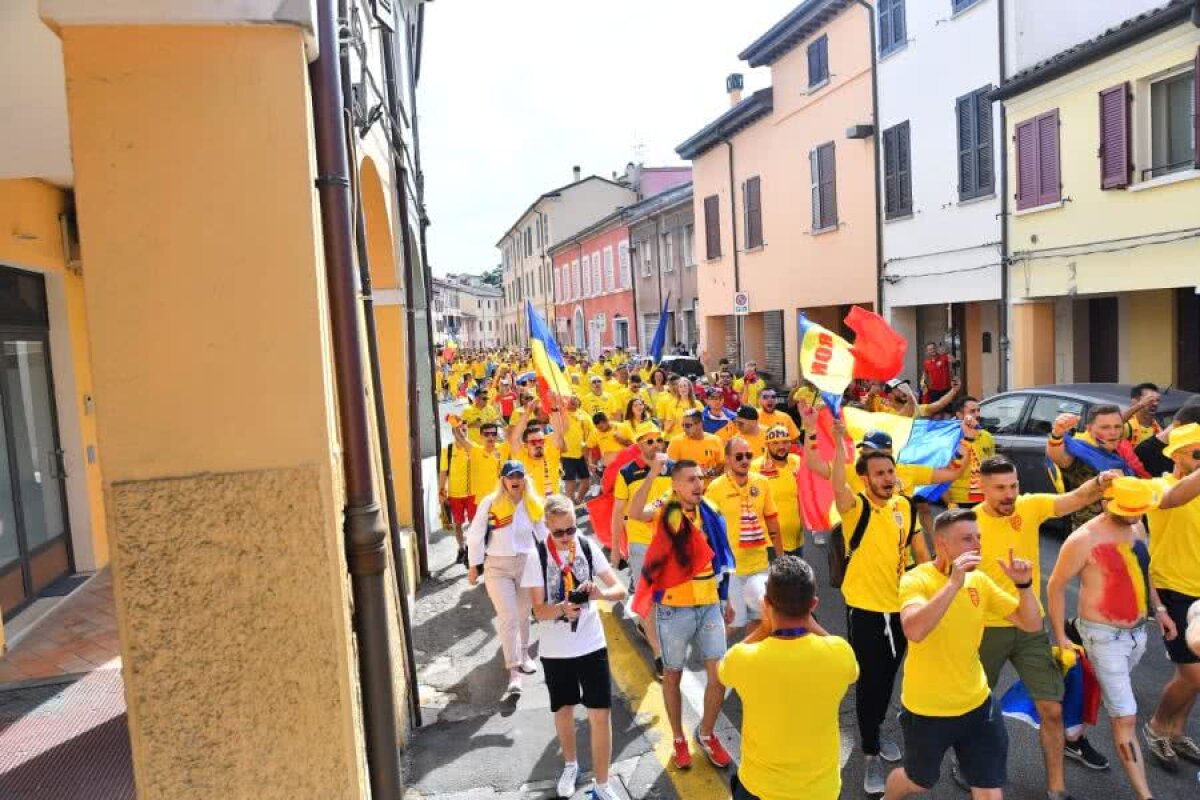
x=600, y=507
x=814, y=492
x=878, y=350
x=673, y=558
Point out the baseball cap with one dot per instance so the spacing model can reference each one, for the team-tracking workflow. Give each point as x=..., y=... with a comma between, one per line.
x=876, y=440
x=646, y=429
x=748, y=412
x=512, y=467
x=778, y=433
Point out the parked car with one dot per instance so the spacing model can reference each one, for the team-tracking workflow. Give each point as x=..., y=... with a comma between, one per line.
x=687, y=366
x=1020, y=420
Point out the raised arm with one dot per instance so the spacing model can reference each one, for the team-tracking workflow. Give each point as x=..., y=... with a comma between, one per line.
x=957, y=468
x=1181, y=493
x=1085, y=494
x=637, y=504
x=1056, y=451
x=842, y=493
x=945, y=400
x=560, y=426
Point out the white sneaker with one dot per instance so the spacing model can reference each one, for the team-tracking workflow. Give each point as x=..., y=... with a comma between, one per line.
x=514, y=683
x=874, y=778
x=566, y=781
x=528, y=666
x=603, y=792
x=889, y=751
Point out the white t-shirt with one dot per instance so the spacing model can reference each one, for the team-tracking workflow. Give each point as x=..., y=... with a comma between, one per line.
x=556, y=639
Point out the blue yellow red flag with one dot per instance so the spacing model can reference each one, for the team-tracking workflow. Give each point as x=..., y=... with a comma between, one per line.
x=548, y=360
x=826, y=360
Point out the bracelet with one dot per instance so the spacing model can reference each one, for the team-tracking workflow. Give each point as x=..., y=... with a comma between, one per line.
x=1024, y=585
x=1160, y=609
x=1052, y=442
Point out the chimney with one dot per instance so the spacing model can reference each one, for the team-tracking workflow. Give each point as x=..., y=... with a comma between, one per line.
x=577, y=172
x=733, y=85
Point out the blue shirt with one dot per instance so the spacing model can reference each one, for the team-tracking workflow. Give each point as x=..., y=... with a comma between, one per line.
x=713, y=424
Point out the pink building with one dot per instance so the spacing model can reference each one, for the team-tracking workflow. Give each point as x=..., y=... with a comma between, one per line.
x=594, y=302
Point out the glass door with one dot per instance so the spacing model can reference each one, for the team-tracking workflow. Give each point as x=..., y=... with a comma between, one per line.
x=34, y=541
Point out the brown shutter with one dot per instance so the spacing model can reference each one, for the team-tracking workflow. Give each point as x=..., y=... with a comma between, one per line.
x=1049, y=173
x=712, y=227
x=828, y=164
x=1027, y=177
x=752, y=199
x=1114, y=137
x=891, y=192
x=903, y=169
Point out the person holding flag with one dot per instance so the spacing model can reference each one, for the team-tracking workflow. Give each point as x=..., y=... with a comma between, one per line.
x=1082, y=456
x=542, y=457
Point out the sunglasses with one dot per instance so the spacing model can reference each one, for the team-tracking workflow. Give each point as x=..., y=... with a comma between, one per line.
x=743, y=456
x=490, y=434
x=652, y=441
x=562, y=533
x=536, y=442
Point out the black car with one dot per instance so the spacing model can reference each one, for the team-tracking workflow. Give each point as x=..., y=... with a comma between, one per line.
x=686, y=366
x=1020, y=420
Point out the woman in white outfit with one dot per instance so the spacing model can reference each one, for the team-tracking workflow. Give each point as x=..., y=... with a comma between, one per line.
x=500, y=538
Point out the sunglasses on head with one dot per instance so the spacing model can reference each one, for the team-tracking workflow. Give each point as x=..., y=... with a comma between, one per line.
x=743, y=456
x=562, y=533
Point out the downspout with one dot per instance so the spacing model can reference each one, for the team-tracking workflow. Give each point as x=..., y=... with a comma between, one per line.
x=737, y=271
x=381, y=421
x=416, y=485
x=632, y=289
x=365, y=533
x=875, y=119
x=658, y=260
x=1002, y=337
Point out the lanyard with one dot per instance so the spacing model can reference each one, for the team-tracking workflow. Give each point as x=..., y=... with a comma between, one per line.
x=790, y=633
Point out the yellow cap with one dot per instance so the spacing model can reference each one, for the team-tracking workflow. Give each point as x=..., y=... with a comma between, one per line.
x=778, y=433
x=1181, y=437
x=646, y=429
x=1131, y=497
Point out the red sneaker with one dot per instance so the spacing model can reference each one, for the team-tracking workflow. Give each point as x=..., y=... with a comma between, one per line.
x=715, y=751
x=683, y=755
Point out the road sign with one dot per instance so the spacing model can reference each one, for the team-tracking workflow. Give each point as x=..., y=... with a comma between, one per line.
x=741, y=304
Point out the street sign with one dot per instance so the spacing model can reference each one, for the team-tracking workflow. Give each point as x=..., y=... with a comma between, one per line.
x=741, y=304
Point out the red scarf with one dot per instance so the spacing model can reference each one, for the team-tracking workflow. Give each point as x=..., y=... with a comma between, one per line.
x=673, y=558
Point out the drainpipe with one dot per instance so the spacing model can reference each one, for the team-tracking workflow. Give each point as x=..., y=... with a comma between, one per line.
x=658, y=262
x=416, y=486
x=875, y=118
x=381, y=421
x=737, y=272
x=365, y=533
x=1002, y=332
x=632, y=289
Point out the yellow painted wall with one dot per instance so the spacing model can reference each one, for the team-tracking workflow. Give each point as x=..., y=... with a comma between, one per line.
x=210, y=347
x=1148, y=340
x=1092, y=214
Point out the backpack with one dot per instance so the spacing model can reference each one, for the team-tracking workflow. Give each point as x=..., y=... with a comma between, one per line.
x=544, y=557
x=838, y=554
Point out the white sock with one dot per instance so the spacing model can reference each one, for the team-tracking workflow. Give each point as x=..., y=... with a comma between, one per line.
x=600, y=785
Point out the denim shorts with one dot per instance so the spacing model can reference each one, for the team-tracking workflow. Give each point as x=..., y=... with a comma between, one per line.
x=679, y=626
x=1114, y=652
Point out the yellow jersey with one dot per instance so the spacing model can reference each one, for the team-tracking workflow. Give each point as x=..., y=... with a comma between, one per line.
x=873, y=575
x=545, y=471
x=746, y=509
x=485, y=469
x=629, y=479
x=708, y=451
x=967, y=489
x=455, y=462
x=702, y=590
x=1018, y=532
x=781, y=475
x=1175, y=544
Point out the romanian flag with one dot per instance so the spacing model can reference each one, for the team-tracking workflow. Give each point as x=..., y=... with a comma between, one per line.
x=1126, y=571
x=826, y=360
x=878, y=349
x=814, y=492
x=548, y=360
x=600, y=508
x=1080, y=704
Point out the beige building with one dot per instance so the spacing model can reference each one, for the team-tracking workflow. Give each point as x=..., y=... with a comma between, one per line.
x=467, y=311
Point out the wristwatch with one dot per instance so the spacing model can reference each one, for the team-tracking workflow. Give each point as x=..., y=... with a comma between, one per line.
x=1160, y=609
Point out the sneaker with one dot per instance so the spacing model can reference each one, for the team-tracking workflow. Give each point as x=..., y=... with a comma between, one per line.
x=1185, y=747
x=1081, y=750
x=461, y=558
x=514, y=685
x=683, y=755
x=603, y=792
x=658, y=670
x=527, y=666
x=715, y=751
x=874, y=778
x=1161, y=747
x=889, y=751
x=566, y=781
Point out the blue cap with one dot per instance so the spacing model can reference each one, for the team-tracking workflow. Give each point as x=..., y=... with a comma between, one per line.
x=876, y=440
x=512, y=467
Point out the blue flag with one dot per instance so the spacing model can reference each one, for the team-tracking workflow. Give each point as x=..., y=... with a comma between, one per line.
x=1095, y=457
x=932, y=443
x=660, y=333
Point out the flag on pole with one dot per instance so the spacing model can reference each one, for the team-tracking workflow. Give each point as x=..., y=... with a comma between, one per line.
x=878, y=349
x=548, y=360
x=826, y=360
x=660, y=333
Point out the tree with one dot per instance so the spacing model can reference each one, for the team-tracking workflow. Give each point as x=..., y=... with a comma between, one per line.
x=492, y=276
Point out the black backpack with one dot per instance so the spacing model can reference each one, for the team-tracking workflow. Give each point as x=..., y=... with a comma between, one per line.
x=839, y=555
x=544, y=557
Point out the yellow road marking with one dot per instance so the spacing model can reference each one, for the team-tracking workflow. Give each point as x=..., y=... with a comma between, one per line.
x=636, y=681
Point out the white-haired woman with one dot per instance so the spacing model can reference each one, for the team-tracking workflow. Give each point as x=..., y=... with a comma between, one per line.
x=503, y=535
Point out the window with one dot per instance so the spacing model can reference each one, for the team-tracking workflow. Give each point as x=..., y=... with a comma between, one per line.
x=976, y=173
x=597, y=286
x=712, y=227
x=818, y=62
x=1172, y=131
x=752, y=202
x=647, y=258
x=587, y=276
x=1037, y=161
x=667, y=252
x=1045, y=409
x=962, y=5
x=824, y=190
x=1002, y=415
x=623, y=260
x=610, y=274
x=897, y=172
x=689, y=235
x=576, y=290
x=892, y=29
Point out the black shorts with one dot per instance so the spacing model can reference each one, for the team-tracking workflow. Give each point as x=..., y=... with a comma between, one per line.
x=1177, y=605
x=575, y=469
x=979, y=740
x=585, y=679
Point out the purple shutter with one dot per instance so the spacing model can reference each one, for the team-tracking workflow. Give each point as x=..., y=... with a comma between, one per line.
x=1027, y=178
x=903, y=169
x=1114, y=137
x=1049, y=184
x=1196, y=109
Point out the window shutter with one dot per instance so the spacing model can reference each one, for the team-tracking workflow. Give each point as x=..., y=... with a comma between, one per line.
x=828, y=186
x=891, y=203
x=1196, y=108
x=752, y=198
x=814, y=170
x=1049, y=175
x=903, y=169
x=985, y=173
x=968, y=183
x=1027, y=178
x=814, y=65
x=712, y=227
x=885, y=25
x=1114, y=137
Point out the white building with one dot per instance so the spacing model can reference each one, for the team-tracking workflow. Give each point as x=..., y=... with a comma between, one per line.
x=467, y=311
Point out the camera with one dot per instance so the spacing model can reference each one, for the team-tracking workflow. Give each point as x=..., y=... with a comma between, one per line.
x=577, y=597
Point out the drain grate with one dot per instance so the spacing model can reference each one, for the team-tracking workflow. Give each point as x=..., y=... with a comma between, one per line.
x=33, y=701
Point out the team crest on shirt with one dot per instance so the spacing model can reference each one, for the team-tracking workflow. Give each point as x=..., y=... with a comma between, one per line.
x=1016, y=522
x=754, y=491
x=974, y=595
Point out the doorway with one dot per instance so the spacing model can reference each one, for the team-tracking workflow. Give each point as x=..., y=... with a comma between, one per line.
x=1104, y=340
x=34, y=536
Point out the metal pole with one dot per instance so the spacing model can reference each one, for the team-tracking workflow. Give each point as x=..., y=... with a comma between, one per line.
x=364, y=529
x=1002, y=348
x=737, y=271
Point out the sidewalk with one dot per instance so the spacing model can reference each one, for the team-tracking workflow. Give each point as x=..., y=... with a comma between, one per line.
x=474, y=746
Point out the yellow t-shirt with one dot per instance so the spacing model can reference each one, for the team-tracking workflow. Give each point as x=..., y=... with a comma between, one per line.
x=1137, y=433
x=757, y=441
x=943, y=676
x=458, y=478
x=873, y=576
x=746, y=510
x=474, y=417
x=592, y=404
x=485, y=469
x=769, y=419
x=578, y=427
x=782, y=477
x=780, y=759
x=1175, y=544
x=1018, y=531
x=607, y=440
x=967, y=488
x=544, y=472
x=671, y=410
x=632, y=476
x=749, y=391
x=708, y=451
x=702, y=590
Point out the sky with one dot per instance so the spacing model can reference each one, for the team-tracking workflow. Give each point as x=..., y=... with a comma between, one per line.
x=514, y=93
